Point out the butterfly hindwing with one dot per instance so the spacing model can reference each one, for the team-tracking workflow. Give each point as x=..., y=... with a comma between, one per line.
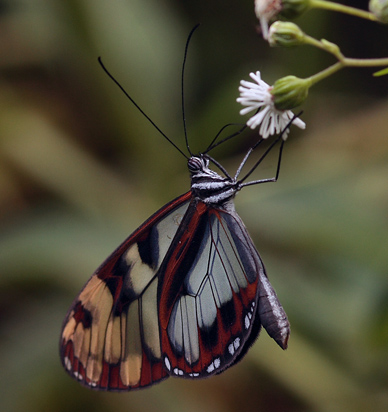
x=110, y=336
x=208, y=292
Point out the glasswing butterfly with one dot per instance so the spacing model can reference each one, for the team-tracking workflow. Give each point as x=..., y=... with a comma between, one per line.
x=186, y=294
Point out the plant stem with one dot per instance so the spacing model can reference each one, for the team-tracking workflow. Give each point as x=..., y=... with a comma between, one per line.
x=347, y=62
x=350, y=62
x=329, y=5
x=311, y=41
x=326, y=73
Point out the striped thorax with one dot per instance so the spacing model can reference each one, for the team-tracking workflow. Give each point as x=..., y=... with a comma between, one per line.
x=207, y=185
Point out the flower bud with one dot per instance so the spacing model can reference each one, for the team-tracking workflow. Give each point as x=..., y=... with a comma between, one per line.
x=290, y=91
x=293, y=8
x=285, y=34
x=271, y=10
x=380, y=9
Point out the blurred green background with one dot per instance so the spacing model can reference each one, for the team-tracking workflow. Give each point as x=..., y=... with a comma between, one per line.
x=80, y=169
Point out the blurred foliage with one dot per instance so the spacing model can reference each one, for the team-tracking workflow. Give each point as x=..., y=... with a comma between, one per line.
x=80, y=169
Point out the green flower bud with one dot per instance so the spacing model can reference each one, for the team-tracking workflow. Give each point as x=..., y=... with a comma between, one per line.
x=293, y=8
x=271, y=10
x=285, y=34
x=290, y=91
x=380, y=9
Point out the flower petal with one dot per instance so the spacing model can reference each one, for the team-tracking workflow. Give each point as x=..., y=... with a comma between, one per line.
x=257, y=96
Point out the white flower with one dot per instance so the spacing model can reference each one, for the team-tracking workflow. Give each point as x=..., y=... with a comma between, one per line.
x=265, y=11
x=257, y=96
x=380, y=9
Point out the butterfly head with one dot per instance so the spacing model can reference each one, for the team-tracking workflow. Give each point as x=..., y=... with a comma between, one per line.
x=198, y=164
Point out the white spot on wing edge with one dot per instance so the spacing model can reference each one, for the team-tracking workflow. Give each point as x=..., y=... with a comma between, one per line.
x=67, y=363
x=210, y=368
x=234, y=346
x=78, y=376
x=214, y=365
x=167, y=363
x=236, y=343
x=247, y=322
x=178, y=371
x=231, y=349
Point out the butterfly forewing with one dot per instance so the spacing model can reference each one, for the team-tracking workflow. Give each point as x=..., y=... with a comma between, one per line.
x=110, y=336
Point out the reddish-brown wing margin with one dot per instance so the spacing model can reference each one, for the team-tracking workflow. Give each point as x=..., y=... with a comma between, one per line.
x=110, y=336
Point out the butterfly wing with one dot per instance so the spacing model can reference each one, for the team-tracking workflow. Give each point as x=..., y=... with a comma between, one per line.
x=178, y=297
x=213, y=294
x=110, y=336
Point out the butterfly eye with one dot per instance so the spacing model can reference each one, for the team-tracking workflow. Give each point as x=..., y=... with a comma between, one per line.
x=195, y=164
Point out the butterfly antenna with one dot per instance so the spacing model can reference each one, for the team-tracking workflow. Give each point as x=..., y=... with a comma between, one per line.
x=139, y=108
x=212, y=145
x=182, y=86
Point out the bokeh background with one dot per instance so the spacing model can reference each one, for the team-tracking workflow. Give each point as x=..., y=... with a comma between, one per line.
x=80, y=169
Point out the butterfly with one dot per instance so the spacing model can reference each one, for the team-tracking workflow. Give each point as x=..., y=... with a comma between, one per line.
x=185, y=295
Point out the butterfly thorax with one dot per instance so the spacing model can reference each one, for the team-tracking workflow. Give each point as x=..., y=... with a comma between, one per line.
x=207, y=185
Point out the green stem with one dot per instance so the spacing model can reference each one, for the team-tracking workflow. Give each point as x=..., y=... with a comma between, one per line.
x=311, y=41
x=326, y=73
x=346, y=62
x=349, y=62
x=328, y=5
x=324, y=45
